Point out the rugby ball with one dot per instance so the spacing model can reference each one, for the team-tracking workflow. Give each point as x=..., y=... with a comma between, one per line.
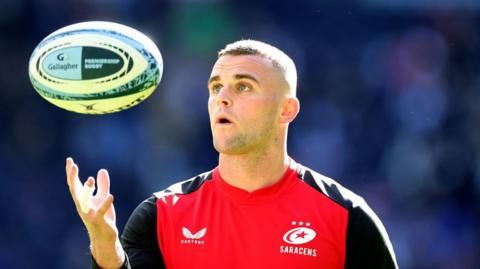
x=95, y=67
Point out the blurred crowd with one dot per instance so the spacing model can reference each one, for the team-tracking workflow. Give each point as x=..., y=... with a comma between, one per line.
x=389, y=95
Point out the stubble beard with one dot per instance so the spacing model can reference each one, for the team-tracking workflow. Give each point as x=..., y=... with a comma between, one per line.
x=245, y=143
x=232, y=145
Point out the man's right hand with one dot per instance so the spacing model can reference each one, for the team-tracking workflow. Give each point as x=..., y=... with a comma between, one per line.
x=100, y=218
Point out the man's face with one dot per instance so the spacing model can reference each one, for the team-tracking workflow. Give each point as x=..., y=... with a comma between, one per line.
x=245, y=103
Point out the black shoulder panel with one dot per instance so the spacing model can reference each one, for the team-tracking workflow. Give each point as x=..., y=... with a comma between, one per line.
x=186, y=186
x=329, y=188
x=194, y=183
x=367, y=242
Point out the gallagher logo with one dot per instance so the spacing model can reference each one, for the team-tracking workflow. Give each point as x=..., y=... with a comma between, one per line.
x=298, y=236
x=195, y=239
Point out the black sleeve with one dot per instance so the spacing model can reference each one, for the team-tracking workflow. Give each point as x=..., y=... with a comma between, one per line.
x=368, y=245
x=139, y=239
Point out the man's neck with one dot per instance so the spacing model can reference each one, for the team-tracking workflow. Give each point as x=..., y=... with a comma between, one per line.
x=252, y=172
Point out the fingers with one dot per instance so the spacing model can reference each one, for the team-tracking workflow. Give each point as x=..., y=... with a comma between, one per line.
x=69, y=163
x=73, y=182
x=103, y=183
x=90, y=208
x=72, y=177
x=106, y=204
x=81, y=193
x=72, y=172
x=90, y=182
x=68, y=169
x=86, y=195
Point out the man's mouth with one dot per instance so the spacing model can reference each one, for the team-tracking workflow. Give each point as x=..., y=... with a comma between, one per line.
x=223, y=121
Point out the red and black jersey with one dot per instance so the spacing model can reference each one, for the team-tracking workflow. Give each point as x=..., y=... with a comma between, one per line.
x=305, y=220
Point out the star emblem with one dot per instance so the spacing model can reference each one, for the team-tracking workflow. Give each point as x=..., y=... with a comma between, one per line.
x=301, y=235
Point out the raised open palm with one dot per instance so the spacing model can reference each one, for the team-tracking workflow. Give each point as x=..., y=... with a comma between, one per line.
x=100, y=218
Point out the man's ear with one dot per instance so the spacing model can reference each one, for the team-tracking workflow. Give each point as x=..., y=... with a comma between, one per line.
x=291, y=107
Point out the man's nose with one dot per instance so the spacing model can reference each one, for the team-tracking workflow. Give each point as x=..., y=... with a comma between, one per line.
x=224, y=96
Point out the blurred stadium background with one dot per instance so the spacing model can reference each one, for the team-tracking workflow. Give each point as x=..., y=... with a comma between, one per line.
x=390, y=93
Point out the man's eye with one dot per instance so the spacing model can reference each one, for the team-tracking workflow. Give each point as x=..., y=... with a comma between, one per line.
x=243, y=87
x=216, y=88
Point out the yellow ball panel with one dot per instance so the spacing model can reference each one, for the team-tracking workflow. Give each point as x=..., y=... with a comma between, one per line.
x=102, y=106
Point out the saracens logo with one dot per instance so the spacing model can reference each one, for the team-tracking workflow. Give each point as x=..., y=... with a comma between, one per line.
x=299, y=236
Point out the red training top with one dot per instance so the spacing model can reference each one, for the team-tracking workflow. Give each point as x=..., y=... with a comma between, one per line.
x=305, y=220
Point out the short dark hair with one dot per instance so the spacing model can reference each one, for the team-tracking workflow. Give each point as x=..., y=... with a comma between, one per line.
x=278, y=58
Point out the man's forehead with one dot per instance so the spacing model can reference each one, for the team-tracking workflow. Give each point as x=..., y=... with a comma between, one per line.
x=242, y=64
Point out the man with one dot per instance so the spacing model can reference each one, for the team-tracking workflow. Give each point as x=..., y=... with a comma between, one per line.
x=258, y=208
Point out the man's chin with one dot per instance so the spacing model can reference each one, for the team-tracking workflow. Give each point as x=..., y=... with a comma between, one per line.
x=229, y=148
x=224, y=150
